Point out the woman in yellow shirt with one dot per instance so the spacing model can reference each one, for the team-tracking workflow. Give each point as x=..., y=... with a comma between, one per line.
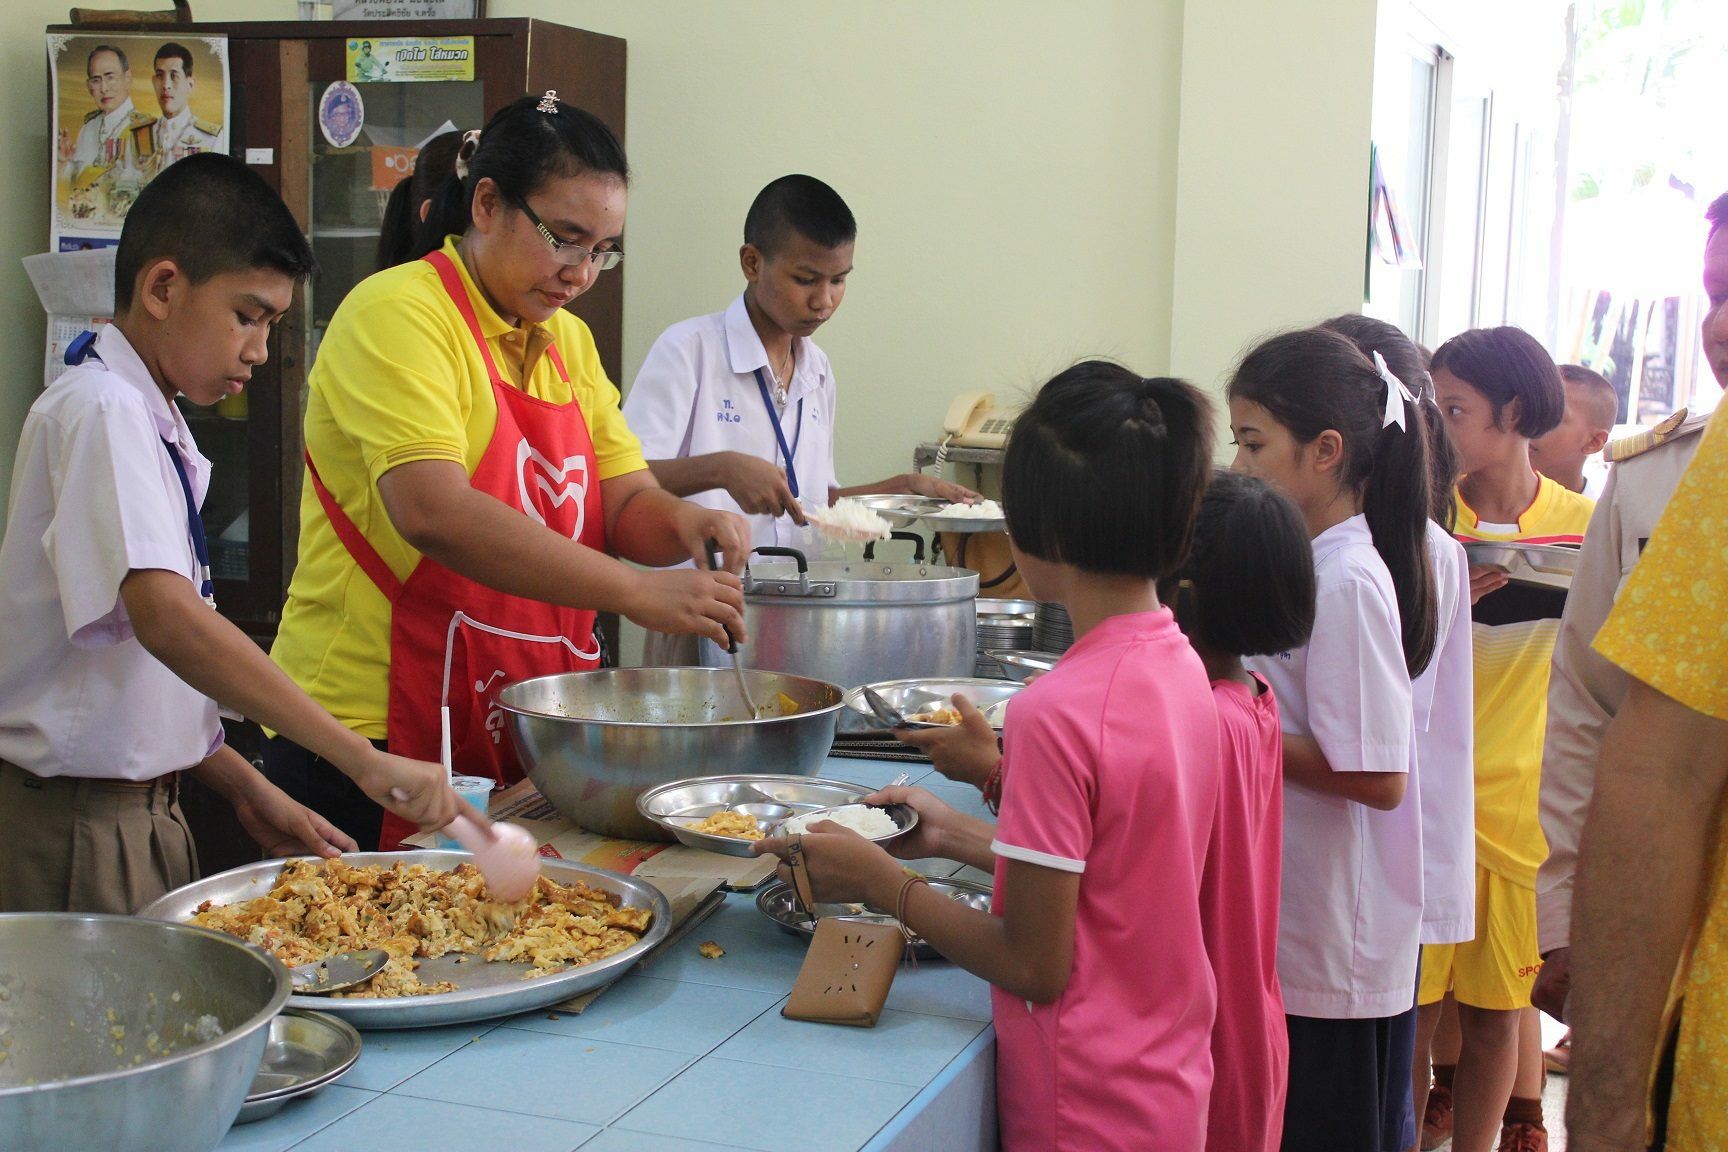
x=470, y=479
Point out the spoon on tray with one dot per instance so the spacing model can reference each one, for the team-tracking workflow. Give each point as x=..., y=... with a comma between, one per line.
x=335, y=973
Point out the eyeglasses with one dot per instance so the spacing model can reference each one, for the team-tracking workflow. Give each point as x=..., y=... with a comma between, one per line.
x=568, y=251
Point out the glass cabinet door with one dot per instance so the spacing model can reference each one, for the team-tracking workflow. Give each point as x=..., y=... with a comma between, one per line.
x=350, y=185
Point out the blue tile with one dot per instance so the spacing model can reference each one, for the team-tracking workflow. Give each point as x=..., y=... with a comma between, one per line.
x=904, y=1047
x=873, y=773
x=761, y=959
x=388, y=1058
x=935, y=866
x=539, y=1075
x=938, y=988
x=298, y=1119
x=961, y=797
x=615, y=1140
x=977, y=876
x=395, y=1122
x=670, y=1014
x=707, y=1100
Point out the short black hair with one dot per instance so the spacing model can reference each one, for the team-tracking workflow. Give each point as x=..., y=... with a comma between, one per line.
x=1104, y=471
x=1248, y=586
x=801, y=204
x=1717, y=213
x=210, y=214
x=125, y=65
x=173, y=51
x=1507, y=364
x=1599, y=393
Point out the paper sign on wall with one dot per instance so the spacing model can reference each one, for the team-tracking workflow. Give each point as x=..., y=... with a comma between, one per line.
x=385, y=59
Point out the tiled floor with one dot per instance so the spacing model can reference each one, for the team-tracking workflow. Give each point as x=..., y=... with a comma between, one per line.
x=680, y=1056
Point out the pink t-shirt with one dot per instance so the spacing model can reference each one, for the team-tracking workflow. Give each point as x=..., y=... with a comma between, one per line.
x=1111, y=771
x=1239, y=915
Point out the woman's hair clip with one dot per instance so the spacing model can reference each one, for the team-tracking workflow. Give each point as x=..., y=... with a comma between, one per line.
x=465, y=152
x=1395, y=393
x=548, y=103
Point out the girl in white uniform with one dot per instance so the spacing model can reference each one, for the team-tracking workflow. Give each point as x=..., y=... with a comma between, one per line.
x=1340, y=435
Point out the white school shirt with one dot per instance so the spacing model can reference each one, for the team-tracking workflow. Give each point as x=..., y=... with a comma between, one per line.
x=1444, y=699
x=94, y=496
x=1350, y=912
x=696, y=393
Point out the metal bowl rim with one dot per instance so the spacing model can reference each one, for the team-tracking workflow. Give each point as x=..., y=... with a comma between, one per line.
x=710, y=673
x=775, y=886
x=237, y=1034
x=854, y=698
x=349, y=1034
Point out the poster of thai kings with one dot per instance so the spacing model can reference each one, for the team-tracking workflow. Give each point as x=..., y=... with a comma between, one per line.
x=124, y=107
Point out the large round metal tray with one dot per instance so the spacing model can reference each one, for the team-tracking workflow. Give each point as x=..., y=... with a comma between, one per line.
x=775, y=902
x=919, y=693
x=484, y=990
x=769, y=798
x=306, y=1051
x=1545, y=565
x=1022, y=664
x=965, y=523
x=900, y=510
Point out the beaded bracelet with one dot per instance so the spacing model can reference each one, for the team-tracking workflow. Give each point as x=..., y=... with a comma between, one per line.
x=993, y=789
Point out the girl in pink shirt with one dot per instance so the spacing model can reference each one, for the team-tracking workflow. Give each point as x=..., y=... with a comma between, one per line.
x=1104, y=997
x=1247, y=589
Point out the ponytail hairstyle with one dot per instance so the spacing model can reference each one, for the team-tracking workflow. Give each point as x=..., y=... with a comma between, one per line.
x=1105, y=469
x=1248, y=586
x=1314, y=380
x=519, y=150
x=435, y=164
x=1410, y=364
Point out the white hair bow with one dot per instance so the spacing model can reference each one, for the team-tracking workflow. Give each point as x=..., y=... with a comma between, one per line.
x=465, y=151
x=1395, y=391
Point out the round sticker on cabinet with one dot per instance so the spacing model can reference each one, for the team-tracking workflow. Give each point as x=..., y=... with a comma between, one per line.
x=341, y=114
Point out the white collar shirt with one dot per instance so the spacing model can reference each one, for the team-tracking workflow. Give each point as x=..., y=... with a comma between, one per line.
x=1350, y=912
x=94, y=497
x=697, y=393
x=1445, y=707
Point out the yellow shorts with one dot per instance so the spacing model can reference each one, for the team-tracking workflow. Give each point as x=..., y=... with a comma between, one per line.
x=1498, y=968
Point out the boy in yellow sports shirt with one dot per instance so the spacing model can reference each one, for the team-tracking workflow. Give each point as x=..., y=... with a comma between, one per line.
x=1497, y=390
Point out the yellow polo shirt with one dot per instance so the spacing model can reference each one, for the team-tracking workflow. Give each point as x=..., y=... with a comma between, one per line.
x=399, y=378
x=1669, y=628
x=1512, y=636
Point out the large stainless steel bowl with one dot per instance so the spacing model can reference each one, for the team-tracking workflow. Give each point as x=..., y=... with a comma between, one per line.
x=594, y=741
x=128, y=1034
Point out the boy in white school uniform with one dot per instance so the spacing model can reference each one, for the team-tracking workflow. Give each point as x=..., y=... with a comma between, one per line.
x=737, y=410
x=113, y=653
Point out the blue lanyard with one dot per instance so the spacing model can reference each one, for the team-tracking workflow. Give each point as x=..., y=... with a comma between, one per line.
x=780, y=434
x=194, y=525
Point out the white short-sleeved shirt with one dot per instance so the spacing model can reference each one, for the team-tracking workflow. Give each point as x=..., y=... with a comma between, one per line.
x=696, y=393
x=1445, y=753
x=94, y=496
x=1350, y=915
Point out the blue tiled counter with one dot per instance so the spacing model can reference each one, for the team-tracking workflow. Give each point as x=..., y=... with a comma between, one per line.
x=689, y=1054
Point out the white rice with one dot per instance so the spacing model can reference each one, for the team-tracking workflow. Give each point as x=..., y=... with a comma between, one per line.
x=983, y=510
x=848, y=516
x=870, y=823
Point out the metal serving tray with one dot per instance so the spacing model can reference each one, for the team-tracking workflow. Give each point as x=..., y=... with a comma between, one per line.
x=485, y=990
x=1547, y=565
x=306, y=1051
x=900, y=510
x=769, y=798
x=775, y=902
x=919, y=693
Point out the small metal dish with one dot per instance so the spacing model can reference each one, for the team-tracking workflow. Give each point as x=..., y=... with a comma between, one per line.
x=1545, y=565
x=775, y=901
x=771, y=799
x=918, y=694
x=1020, y=664
x=900, y=510
x=306, y=1050
x=965, y=523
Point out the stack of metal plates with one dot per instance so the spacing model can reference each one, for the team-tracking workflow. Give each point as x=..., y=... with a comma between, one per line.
x=1052, y=631
x=1003, y=624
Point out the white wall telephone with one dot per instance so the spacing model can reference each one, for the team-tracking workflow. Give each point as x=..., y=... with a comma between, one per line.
x=974, y=421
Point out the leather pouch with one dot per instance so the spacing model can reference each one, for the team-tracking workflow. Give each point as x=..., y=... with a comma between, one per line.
x=846, y=974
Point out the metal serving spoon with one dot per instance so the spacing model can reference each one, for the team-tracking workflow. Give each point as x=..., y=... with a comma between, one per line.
x=883, y=710
x=335, y=973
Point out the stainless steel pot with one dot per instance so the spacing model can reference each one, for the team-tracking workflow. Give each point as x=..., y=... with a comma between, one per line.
x=594, y=741
x=853, y=622
x=128, y=1034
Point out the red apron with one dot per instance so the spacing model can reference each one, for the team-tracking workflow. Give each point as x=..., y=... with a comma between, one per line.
x=454, y=641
